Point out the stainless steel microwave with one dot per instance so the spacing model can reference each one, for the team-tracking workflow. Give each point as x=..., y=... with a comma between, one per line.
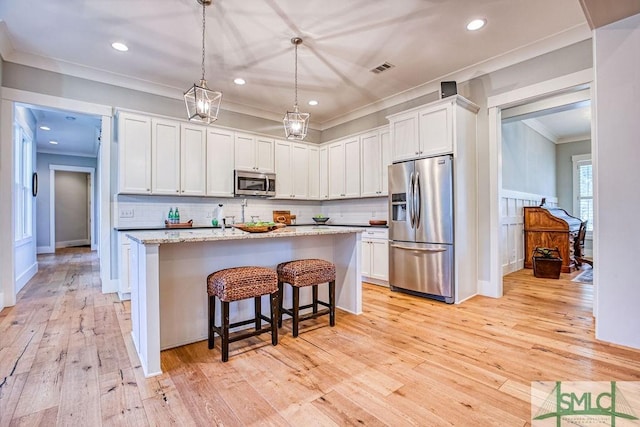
x=254, y=183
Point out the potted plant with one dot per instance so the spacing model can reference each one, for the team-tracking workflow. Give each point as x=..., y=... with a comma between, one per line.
x=547, y=263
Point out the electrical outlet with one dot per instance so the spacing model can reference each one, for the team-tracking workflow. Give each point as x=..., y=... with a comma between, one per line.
x=209, y=214
x=126, y=213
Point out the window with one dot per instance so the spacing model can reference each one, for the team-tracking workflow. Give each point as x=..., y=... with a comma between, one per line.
x=583, y=190
x=22, y=184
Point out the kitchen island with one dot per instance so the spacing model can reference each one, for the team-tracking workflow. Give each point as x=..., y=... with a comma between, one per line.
x=169, y=270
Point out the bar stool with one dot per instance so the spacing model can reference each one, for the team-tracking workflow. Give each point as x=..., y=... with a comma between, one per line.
x=301, y=273
x=235, y=284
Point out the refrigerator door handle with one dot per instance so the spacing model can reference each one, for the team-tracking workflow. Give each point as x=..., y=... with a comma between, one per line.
x=417, y=200
x=408, y=248
x=411, y=202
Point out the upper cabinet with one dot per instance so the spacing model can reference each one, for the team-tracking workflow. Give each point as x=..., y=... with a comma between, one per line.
x=375, y=157
x=344, y=168
x=165, y=156
x=134, y=154
x=292, y=170
x=193, y=157
x=254, y=153
x=220, y=162
x=426, y=131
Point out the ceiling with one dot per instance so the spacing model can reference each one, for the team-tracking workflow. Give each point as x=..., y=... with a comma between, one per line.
x=564, y=126
x=425, y=40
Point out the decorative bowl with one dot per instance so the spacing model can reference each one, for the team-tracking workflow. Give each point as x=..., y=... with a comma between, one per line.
x=377, y=222
x=321, y=220
x=257, y=228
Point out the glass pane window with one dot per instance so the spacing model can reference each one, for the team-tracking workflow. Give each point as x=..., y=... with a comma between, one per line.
x=583, y=189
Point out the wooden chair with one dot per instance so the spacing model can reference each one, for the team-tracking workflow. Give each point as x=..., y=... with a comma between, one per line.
x=578, y=246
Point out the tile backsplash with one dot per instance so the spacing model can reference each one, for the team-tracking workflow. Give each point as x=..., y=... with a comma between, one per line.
x=144, y=211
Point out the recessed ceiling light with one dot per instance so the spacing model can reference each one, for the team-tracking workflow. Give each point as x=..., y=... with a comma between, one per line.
x=239, y=81
x=45, y=128
x=120, y=46
x=476, y=24
x=313, y=102
x=53, y=142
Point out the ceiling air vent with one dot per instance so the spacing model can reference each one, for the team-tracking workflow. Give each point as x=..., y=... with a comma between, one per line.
x=382, y=67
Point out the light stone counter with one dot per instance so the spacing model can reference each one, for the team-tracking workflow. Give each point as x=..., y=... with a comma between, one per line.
x=169, y=269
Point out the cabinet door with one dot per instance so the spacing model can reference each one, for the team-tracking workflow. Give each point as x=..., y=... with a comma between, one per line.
x=352, y=167
x=336, y=170
x=193, y=156
x=264, y=155
x=165, y=153
x=404, y=136
x=134, y=154
x=380, y=259
x=385, y=157
x=220, y=162
x=436, y=130
x=245, y=152
x=299, y=170
x=323, y=153
x=370, y=154
x=284, y=185
x=124, y=270
x=366, y=258
x=314, y=173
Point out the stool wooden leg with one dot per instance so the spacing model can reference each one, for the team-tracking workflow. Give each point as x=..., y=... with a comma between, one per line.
x=258, y=311
x=296, y=309
x=225, y=331
x=280, y=298
x=212, y=319
x=332, y=303
x=274, y=317
x=315, y=298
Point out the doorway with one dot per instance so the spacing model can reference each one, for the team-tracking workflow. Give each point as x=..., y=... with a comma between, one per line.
x=71, y=214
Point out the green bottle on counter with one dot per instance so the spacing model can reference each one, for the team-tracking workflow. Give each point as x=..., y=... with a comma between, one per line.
x=170, y=216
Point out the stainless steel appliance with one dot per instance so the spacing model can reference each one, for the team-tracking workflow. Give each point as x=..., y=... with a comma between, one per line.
x=421, y=252
x=254, y=183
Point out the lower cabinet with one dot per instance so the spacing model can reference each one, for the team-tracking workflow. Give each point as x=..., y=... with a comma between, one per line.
x=375, y=256
x=124, y=270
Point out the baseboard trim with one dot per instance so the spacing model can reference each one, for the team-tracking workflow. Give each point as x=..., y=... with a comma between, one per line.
x=485, y=289
x=26, y=276
x=45, y=250
x=72, y=243
x=1, y=301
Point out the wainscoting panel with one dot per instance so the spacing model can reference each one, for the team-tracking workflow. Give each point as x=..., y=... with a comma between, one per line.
x=512, y=226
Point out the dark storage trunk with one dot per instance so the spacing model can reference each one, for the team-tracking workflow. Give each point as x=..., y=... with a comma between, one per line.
x=545, y=267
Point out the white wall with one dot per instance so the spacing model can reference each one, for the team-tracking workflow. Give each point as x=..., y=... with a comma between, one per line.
x=528, y=160
x=72, y=208
x=616, y=174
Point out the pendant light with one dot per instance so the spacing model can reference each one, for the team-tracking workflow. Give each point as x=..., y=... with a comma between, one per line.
x=295, y=122
x=202, y=103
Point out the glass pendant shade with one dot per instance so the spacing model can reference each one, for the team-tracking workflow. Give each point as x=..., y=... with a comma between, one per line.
x=202, y=103
x=296, y=124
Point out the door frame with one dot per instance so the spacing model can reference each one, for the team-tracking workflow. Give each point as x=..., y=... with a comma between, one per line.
x=495, y=104
x=11, y=96
x=52, y=201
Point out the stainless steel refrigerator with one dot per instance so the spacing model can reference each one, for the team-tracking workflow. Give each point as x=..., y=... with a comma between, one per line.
x=421, y=252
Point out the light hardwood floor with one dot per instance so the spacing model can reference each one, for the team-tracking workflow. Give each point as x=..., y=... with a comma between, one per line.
x=66, y=358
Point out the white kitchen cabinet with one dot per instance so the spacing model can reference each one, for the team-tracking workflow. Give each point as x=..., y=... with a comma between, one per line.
x=193, y=157
x=254, y=153
x=323, y=163
x=314, y=173
x=292, y=170
x=134, y=154
x=375, y=158
x=165, y=156
x=220, y=162
x=124, y=270
x=375, y=256
x=344, y=168
x=424, y=131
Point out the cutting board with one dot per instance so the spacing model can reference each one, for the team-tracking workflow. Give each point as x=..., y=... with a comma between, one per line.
x=282, y=217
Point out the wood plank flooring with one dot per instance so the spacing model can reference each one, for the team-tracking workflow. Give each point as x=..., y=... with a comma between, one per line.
x=66, y=358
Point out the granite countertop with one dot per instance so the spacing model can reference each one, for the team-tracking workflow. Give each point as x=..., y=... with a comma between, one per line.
x=182, y=235
x=209, y=227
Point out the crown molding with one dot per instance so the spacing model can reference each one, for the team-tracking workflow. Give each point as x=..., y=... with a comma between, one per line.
x=577, y=138
x=6, y=48
x=543, y=130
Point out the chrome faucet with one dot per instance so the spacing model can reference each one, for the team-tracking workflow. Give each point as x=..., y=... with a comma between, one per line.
x=243, y=204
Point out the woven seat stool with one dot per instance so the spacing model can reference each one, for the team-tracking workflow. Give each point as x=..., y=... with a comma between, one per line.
x=301, y=273
x=235, y=284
